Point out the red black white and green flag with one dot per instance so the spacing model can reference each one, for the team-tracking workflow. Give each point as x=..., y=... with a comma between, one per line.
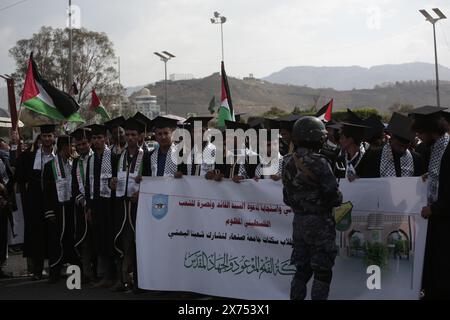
x=40, y=96
x=97, y=106
x=325, y=112
x=226, y=111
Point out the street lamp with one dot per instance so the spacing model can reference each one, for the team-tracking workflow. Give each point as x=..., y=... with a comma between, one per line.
x=165, y=56
x=433, y=22
x=216, y=20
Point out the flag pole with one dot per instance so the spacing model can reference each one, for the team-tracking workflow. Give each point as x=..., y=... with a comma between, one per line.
x=70, y=47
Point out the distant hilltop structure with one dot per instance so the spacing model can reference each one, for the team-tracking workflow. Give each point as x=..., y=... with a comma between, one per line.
x=181, y=76
x=146, y=103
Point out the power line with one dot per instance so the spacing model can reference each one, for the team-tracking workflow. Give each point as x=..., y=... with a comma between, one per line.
x=12, y=5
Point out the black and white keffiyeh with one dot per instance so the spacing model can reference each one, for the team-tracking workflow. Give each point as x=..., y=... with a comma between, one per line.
x=201, y=166
x=437, y=151
x=4, y=179
x=387, y=166
x=105, y=174
x=349, y=165
x=272, y=168
x=170, y=167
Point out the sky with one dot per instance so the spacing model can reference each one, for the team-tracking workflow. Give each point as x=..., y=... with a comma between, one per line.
x=260, y=36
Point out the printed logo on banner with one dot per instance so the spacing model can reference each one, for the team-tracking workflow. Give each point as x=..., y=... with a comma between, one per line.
x=160, y=204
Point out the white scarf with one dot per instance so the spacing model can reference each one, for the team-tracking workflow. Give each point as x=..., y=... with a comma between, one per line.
x=127, y=174
x=80, y=171
x=349, y=166
x=434, y=167
x=274, y=166
x=387, y=166
x=40, y=161
x=63, y=179
x=207, y=161
x=170, y=166
x=105, y=174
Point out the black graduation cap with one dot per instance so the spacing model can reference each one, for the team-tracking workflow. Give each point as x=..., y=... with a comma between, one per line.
x=351, y=119
x=82, y=133
x=237, y=116
x=400, y=127
x=47, y=128
x=114, y=123
x=63, y=141
x=133, y=124
x=427, y=112
x=271, y=123
x=287, y=122
x=204, y=120
x=145, y=120
x=164, y=122
x=98, y=129
x=375, y=127
x=236, y=125
x=333, y=124
x=256, y=124
x=187, y=126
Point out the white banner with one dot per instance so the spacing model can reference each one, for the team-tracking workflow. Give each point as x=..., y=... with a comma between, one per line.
x=235, y=240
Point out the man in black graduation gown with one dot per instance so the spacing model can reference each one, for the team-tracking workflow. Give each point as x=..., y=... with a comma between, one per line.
x=148, y=124
x=83, y=227
x=29, y=176
x=201, y=158
x=163, y=160
x=117, y=134
x=58, y=209
x=6, y=207
x=432, y=130
x=331, y=148
x=130, y=169
x=352, y=145
x=99, y=200
x=395, y=158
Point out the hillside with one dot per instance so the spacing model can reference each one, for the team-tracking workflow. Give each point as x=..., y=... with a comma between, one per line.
x=255, y=97
x=355, y=77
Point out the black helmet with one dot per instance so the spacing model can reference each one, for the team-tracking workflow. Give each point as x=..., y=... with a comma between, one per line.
x=308, y=129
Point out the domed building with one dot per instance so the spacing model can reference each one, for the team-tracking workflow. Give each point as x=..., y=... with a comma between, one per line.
x=146, y=103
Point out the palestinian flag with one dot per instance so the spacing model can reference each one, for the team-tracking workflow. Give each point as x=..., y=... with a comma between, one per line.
x=226, y=106
x=97, y=106
x=40, y=96
x=324, y=113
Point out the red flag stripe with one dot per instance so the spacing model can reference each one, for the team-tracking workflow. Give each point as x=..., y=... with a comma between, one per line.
x=30, y=89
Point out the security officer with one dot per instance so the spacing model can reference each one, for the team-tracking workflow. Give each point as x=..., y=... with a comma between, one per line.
x=311, y=190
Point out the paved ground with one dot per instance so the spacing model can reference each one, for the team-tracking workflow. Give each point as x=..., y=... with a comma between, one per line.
x=20, y=286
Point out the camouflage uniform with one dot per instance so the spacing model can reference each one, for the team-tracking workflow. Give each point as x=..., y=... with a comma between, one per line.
x=311, y=190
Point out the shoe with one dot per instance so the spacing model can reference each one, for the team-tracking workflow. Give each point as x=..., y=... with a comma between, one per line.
x=36, y=277
x=118, y=287
x=104, y=283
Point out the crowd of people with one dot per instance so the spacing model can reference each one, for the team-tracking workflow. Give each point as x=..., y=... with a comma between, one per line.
x=79, y=191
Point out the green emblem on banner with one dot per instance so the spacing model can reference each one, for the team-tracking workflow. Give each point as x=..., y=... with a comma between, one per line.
x=343, y=216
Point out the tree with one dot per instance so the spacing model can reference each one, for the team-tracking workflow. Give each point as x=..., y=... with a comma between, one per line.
x=93, y=63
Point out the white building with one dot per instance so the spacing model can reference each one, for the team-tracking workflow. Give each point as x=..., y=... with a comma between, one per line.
x=147, y=104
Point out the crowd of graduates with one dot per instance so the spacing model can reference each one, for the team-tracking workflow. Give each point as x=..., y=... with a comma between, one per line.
x=80, y=191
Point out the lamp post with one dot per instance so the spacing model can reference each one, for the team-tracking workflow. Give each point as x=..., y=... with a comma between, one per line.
x=216, y=20
x=433, y=22
x=165, y=56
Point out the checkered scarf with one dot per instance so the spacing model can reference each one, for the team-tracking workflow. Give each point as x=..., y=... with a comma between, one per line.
x=387, y=166
x=170, y=167
x=437, y=151
x=105, y=173
x=276, y=167
x=207, y=161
